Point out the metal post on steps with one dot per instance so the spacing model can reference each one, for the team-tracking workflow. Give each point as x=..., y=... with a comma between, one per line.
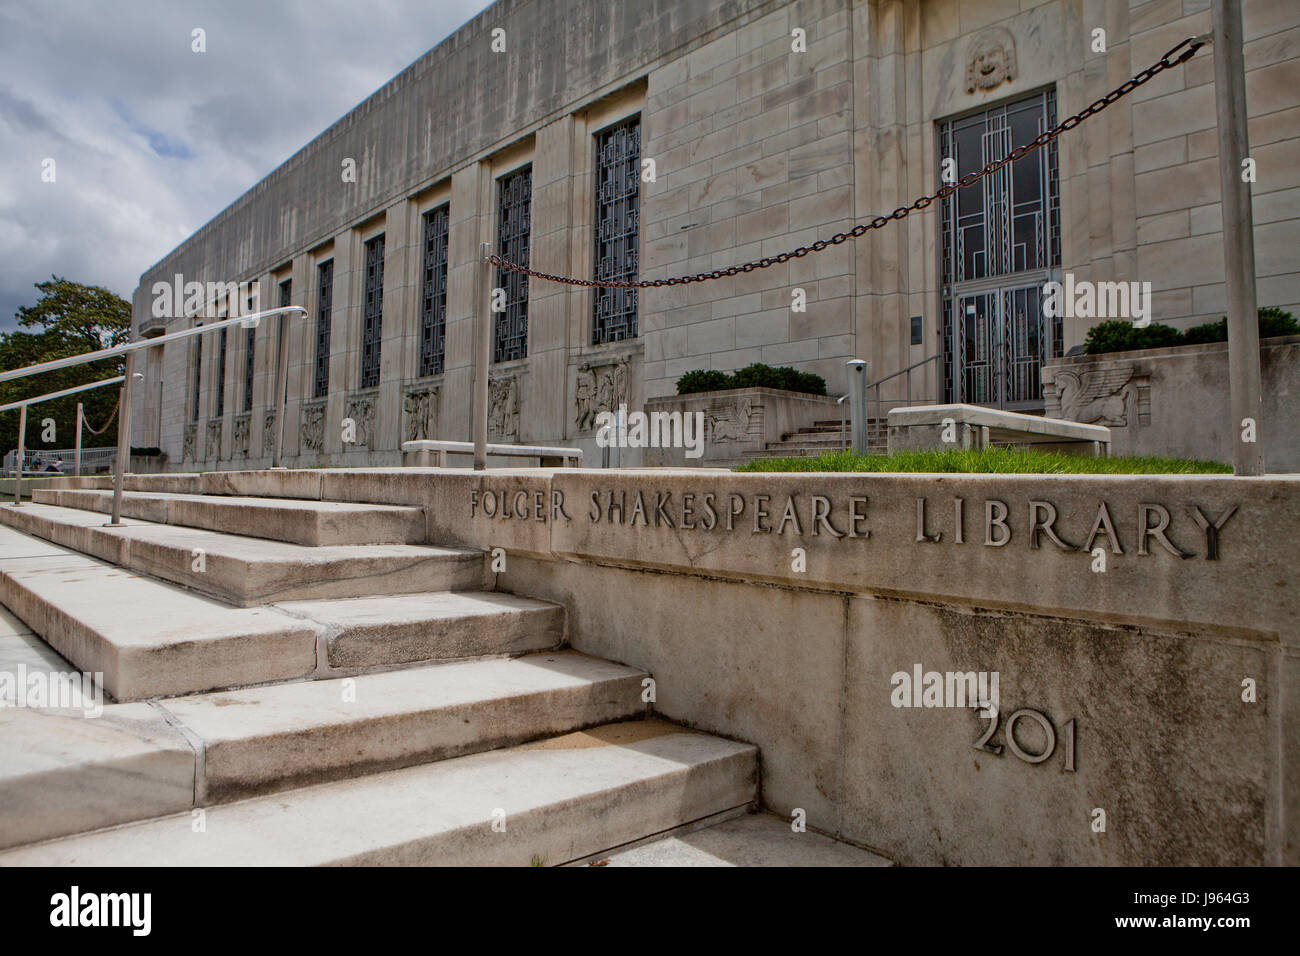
x=281, y=388
x=1238, y=241
x=482, y=353
x=858, y=403
x=22, y=450
x=123, y=441
x=76, y=460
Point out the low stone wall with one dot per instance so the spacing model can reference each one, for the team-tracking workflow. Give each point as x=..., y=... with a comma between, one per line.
x=1143, y=630
x=1174, y=401
x=737, y=421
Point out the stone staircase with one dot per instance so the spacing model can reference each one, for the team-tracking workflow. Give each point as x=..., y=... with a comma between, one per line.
x=818, y=439
x=311, y=682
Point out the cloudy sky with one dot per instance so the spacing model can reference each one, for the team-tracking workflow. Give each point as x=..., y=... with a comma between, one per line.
x=150, y=139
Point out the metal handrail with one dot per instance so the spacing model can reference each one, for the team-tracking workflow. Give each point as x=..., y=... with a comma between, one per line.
x=22, y=423
x=902, y=371
x=844, y=422
x=61, y=393
x=129, y=350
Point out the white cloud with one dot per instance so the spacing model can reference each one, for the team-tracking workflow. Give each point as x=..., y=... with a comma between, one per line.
x=150, y=139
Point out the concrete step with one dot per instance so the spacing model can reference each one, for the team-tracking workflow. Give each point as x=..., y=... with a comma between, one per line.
x=742, y=839
x=293, y=735
x=66, y=773
x=366, y=633
x=311, y=523
x=801, y=450
x=152, y=639
x=252, y=571
x=147, y=638
x=549, y=802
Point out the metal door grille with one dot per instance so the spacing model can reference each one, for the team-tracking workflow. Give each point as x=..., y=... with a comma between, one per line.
x=514, y=225
x=324, y=306
x=1007, y=225
x=618, y=199
x=373, y=315
x=1022, y=317
x=433, y=299
x=978, y=349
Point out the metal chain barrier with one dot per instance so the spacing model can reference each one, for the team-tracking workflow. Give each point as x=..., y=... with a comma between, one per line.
x=101, y=431
x=1192, y=44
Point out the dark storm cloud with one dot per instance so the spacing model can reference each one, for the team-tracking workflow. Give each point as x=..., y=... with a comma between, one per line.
x=150, y=139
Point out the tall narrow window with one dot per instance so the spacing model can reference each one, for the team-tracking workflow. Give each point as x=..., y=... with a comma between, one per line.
x=324, y=305
x=286, y=299
x=373, y=314
x=221, y=374
x=618, y=201
x=514, y=224
x=433, y=297
x=250, y=343
x=198, y=378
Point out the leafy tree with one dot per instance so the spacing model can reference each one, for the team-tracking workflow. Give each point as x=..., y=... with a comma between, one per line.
x=68, y=319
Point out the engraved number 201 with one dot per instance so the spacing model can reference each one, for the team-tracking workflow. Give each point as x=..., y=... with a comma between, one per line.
x=1048, y=731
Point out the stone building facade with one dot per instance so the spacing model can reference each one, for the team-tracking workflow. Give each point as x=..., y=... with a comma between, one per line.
x=630, y=139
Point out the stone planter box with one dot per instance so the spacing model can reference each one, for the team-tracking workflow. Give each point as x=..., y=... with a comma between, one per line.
x=1174, y=401
x=148, y=464
x=737, y=421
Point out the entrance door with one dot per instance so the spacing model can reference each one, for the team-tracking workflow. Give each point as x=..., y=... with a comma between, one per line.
x=1000, y=342
x=1000, y=244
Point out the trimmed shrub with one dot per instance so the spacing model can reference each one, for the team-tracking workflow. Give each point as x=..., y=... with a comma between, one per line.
x=703, y=380
x=1272, y=322
x=1120, y=336
x=752, y=376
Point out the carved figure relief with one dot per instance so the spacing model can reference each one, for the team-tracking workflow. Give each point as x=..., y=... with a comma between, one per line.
x=1111, y=395
x=503, y=408
x=731, y=420
x=601, y=387
x=992, y=59
x=268, y=433
x=188, y=441
x=313, y=426
x=419, y=414
x=213, y=447
x=239, y=445
x=361, y=409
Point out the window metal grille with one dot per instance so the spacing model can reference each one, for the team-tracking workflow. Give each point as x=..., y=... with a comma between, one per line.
x=324, y=305
x=198, y=378
x=514, y=222
x=221, y=373
x=373, y=313
x=618, y=201
x=286, y=299
x=250, y=343
x=433, y=298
